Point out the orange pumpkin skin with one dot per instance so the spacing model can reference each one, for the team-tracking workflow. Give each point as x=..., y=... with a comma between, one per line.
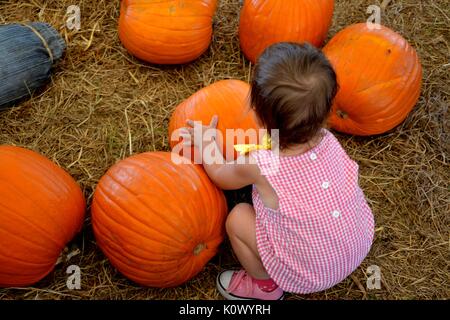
x=265, y=22
x=166, y=31
x=380, y=78
x=41, y=210
x=229, y=99
x=159, y=223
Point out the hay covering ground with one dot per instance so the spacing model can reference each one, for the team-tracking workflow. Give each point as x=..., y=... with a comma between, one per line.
x=104, y=105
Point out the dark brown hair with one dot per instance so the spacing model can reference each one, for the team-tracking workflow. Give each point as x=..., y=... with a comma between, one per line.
x=293, y=88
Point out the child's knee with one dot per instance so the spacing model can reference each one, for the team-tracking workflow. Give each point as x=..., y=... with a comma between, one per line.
x=238, y=216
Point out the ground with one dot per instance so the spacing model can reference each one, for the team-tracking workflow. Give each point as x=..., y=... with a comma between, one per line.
x=104, y=105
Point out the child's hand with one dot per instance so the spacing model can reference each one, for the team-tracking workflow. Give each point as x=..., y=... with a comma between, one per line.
x=199, y=135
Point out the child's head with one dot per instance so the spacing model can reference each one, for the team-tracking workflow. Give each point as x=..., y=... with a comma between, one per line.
x=292, y=90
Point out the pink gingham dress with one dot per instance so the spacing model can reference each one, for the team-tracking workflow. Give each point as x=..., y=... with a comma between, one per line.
x=323, y=228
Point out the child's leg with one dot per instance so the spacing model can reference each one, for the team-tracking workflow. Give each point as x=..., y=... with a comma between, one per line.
x=242, y=233
x=253, y=282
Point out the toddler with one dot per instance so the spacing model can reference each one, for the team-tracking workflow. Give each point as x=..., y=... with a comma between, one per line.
x=309, y=226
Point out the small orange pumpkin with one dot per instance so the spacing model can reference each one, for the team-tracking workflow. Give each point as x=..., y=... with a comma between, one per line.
x=229, y=99
x=380, y=78
x=158, y=222
x=265, y=22
x=166, y=31
x=41, y=210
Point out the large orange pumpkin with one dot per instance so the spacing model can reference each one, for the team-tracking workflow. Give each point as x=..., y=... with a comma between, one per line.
x=41, y=210
x=229, y=99
x=166, y=31
x=379, y=75
x=158, y=222
x=265, y=22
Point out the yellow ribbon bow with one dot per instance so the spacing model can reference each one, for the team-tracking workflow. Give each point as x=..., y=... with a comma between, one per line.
x=244, y=149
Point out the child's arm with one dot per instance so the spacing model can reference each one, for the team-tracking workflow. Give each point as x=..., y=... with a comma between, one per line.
x=227, y=176
x=231, y=175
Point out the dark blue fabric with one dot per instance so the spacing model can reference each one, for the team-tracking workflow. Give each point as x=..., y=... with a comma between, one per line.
x=25, y=63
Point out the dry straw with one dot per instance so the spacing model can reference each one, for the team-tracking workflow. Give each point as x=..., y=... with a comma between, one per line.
x=103, y=104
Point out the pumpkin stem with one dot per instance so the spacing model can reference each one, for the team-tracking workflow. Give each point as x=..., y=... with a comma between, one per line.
x=199, y=248
x=342, y=114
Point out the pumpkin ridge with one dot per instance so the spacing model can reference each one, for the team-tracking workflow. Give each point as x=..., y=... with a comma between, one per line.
x=38, y=184
x=407, y=95
x=170, y=43
x=266, y=33
x=197, y=261
x=368, y=61
x=204, y=233
x=36, y=160
x=210, y=232
x=29, y=156
x=28, y=263
x=151, y=228
x=31, y=279
x=201, y=227
x=117, y=251
x=187, y=235
x=399, y=97
x=105, y=231
x=42, y=232
x=190, y=268
x=32, y=243
x=157, y=43
x=381, y=68
x=307, y=17
x=138, y=265
x=136, y=271
x=163, y=218
x=376, y=85
x=204, y=16
x=146, y=24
